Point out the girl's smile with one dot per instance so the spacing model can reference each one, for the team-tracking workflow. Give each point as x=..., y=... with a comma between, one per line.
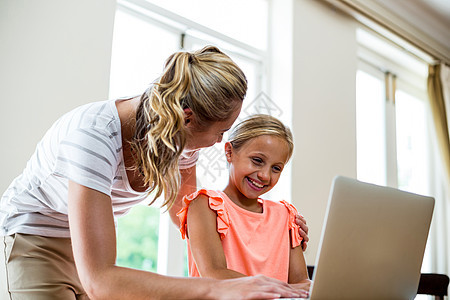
x=254, y=184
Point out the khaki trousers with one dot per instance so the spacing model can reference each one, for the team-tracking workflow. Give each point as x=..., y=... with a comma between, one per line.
x=38, y=268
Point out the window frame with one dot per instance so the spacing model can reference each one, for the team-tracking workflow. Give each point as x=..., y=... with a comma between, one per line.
x=408, y=78
x=171, y=248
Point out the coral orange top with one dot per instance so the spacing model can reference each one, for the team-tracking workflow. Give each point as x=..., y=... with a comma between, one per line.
x=253, y=243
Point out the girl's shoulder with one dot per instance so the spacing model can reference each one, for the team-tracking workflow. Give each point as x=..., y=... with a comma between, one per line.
x=281, y=205
x=292, y=225
x=291, y=208
x=203, y=193
x=216, y=200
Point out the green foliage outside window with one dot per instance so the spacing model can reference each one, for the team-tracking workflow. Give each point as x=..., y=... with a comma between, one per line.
x=137, y=238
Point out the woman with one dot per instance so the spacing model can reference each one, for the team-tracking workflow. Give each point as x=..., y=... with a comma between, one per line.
x=99, y=160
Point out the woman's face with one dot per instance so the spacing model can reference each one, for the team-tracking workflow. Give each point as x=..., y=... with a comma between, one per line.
x=198, y=138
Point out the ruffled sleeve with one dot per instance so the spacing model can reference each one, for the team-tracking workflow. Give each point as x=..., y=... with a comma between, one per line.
x=293, y=227
x=216, y=203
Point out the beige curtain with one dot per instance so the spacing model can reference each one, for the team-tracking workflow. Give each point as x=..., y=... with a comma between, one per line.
x=439, y=238
x=436, y=88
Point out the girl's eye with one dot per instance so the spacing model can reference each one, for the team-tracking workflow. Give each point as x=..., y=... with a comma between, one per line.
x=277, y=169
x=257, y=160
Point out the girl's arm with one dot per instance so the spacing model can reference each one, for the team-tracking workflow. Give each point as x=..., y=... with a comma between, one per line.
x=298, y=271
x=94, y=246
x=206, y=246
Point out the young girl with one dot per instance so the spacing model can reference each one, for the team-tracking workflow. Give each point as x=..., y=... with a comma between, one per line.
x=235, y=233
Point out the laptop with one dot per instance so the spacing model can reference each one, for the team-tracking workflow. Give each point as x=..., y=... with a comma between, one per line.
x=372, y=243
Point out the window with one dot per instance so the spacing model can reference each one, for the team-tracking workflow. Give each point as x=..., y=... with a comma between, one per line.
x=392, y=134
x=135, y=63
x=393, y=142
x=145, y=34
x=412, y=144
x=370, y=130
x=137, y=237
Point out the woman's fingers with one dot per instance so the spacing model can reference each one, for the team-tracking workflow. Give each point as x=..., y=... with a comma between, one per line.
x=257, y=287
x=271, y=285
x=303, y=230
x=301, y=221
x=303, y=285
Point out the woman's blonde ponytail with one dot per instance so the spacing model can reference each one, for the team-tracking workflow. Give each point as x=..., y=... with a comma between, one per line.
x=207, y=82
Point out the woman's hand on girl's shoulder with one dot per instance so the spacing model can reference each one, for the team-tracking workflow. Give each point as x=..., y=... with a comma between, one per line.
x=303, y=230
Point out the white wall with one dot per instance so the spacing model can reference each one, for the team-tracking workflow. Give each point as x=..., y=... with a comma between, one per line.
x=54, y=55
x=321, y=57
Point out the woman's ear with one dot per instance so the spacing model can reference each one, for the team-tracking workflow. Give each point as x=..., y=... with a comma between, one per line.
x=228, y=151
x=188, y=116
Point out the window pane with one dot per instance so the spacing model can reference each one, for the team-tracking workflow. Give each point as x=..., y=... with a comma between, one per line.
x=138, y=56
x=137, y=238
x=412, y=155
x=245, y=21
x=370, y=129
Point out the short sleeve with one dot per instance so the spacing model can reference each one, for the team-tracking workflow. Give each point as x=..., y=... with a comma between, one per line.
x=216, y=203
x=188, y=159
x=88, y=156
x=293, y=227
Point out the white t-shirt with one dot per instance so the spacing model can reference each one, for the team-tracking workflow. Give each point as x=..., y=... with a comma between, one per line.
x=85, y=146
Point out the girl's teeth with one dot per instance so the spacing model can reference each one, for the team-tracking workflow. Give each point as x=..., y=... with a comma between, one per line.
x=256, y=184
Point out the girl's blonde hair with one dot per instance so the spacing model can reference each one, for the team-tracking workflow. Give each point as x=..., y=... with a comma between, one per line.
x=258, y=125
x=207, y=82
